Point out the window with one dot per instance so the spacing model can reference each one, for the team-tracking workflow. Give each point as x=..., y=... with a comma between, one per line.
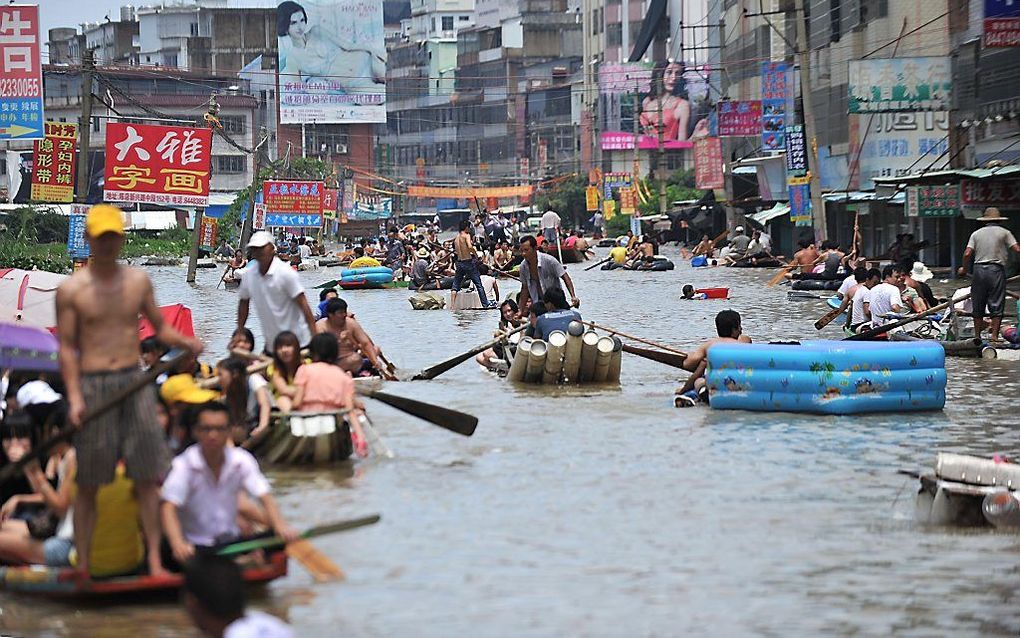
x=233, y=124
x=232, y=164
x=447, y=23
x=463, y=18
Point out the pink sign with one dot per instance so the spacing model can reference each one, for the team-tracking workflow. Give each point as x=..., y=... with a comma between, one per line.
x=739, y=118
x=708, y=164
x=625, y=141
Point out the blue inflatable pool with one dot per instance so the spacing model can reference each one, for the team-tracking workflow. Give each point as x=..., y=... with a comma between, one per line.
x=828, y=377
x=373, y=277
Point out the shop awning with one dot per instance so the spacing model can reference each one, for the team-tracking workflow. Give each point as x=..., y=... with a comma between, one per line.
x=856, y=197
x=766, y=216
x=951, y=176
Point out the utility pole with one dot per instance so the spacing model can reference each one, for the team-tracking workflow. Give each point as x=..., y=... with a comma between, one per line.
x=804, y=59
x=637, y=133
x=659, y=173
x=88, y=66
x=246, y=225
x=196, y=236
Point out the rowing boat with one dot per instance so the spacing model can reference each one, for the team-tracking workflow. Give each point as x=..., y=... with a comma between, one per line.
x=64, y=582
x=301, y=438
x=956, y=492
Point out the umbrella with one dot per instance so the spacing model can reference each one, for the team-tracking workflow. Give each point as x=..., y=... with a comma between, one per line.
x=26, y=348
x=27, y=297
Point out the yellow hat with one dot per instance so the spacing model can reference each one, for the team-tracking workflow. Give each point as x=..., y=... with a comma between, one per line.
x=104, y=218
x=181, y=388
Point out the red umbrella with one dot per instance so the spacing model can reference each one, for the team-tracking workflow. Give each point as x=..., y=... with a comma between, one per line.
x=177, y=315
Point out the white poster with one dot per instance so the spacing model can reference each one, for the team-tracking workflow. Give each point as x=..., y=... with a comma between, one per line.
x=332, y=62
x=903, y=144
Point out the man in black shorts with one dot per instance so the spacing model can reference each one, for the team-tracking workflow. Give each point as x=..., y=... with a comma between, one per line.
x=989, y=249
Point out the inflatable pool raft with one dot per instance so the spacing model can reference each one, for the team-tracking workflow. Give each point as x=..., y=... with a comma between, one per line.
x=827, y=377
x=372, y=277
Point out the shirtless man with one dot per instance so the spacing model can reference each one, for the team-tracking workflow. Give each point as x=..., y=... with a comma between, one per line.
x=805, y=258
x=705, y=247
x=467, y=265
x=97, y=320
x=727, y=325
x=354, y=341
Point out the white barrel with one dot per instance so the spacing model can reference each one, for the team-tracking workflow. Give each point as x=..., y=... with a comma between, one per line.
x=536, y=361
x=616, y=362
x=572, y=354
x=554, y=357
x=589, y=351
x=603, y=357
x=520, y=361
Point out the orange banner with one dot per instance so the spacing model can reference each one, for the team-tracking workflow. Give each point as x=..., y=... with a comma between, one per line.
x=454, y=192
x=591, y=198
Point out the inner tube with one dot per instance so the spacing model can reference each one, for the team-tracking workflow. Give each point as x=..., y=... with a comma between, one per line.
x=817, y=284
x=758, y=263
x=445, y=284
x=661, y=264
x=353, y=272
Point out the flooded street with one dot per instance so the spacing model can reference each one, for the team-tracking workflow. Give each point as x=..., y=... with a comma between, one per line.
x=606, y=511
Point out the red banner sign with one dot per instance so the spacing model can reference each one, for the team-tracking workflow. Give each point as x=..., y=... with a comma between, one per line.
x=330, y=202
x=290, y=196
x=207, y=234
x=979, y=193
x=157, y=164
x=53, y=174
x=708, y=164
x=739, y=118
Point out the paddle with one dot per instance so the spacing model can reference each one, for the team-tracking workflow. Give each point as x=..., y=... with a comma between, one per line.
x=828, y=317
x=633, y=338
x=508, y=274
x=453, y=362
x=779, y=275
x=452, y=420
x=667, y=358
x=40, y=451
x=599, y=263
x=225, y=271
x=243, y=547
x=319, y=565
x=867, y=334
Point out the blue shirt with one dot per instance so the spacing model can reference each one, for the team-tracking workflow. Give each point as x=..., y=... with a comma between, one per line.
x=555, y=320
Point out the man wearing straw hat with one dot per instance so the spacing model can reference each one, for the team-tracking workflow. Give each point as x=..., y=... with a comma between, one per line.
x=989, y=249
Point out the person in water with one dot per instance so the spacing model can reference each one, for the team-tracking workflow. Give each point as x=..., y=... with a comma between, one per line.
x=728, y=328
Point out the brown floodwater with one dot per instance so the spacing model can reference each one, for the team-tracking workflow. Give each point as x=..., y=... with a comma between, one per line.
x=606, y=511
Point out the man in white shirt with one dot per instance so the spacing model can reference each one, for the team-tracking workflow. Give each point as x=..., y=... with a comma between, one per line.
x=885, y=297
x=550, y=226
x=860, y=299
x=304, y=249
x=215, y=599
x=277, y=292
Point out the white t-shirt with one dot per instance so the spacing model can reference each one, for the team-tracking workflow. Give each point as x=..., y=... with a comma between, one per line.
x=488, y=282
x=305, y=251
x=36, y=392
x=862, y=295
x=847, y=284
x=255, y=383
x=273, y=296
x=255, y=624
x=550, y=219
x=883, y=298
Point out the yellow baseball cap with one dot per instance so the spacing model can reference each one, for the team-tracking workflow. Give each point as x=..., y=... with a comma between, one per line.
x=181, y=388
x=104, y=218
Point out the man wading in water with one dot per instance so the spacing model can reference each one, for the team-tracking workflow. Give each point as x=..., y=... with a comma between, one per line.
x=97, y=319
x=727, y=325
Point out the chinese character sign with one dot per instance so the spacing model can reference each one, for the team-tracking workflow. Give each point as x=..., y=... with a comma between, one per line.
x=53, y=174
x=330, y=203
x=708, y=164
x=982, y=193
x=591, y=198
x=900, y=144
x=207, y=233
x=799, y=191
x=293, y=196
x=628, y=201
x=21, y=87
x=77, y=246
x=258, y=219
x=938, y=201
x=1002, y=23
x=900, y=84
x=739, y=118
x=157, y=164
x=775, y=92
x=796, y=155
x=608, y=208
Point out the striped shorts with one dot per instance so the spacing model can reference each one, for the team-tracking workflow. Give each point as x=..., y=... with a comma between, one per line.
x=129, y=431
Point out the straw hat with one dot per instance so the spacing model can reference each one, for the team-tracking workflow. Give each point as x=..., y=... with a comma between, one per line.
x=992, y=214
x=920, y=272
x=423, y=253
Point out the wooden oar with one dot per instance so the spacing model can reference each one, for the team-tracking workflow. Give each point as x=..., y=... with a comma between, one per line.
x=828, y=317
x=322, y=569
x=391, y=369
x=453, y=362
x=375, y=442
x=599, y=263
x=867, y=334
x=633, y=338
x=508, y=274
x=452, y=420
x=146, y=379
x=667, y=358
x=243, y=547
x=779, y=275
x=225, y=271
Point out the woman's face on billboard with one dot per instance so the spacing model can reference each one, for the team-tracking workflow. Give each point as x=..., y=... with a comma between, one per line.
x=672, y=76
x=298, y=24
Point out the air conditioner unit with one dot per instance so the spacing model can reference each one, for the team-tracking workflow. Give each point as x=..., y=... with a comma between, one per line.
x=341, y=149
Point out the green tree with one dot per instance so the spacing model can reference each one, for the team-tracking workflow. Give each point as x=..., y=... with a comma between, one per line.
x=566, y=197
x=679, y=187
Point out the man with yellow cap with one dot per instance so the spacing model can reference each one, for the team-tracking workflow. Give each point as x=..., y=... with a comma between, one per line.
x=97, y=324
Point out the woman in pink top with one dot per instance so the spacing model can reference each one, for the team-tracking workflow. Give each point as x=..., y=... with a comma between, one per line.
x=323, y=386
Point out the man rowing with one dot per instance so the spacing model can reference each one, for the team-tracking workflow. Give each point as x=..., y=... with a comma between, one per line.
x=97, y=320
x=355, y=344
x=727, y=325
x=540, y=272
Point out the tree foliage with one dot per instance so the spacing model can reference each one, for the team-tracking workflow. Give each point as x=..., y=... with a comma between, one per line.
x=566, y=197
x=679, y=187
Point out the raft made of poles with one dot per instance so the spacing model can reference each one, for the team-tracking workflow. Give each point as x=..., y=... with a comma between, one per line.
x=574, y=356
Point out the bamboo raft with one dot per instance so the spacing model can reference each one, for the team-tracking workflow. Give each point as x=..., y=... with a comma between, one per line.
x=304, y=438
x=574, y=356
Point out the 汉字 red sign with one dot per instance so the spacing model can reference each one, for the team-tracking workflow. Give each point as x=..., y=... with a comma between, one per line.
x=708, y=164
x=157, y=164
x=53, y=173
x=290, y=196
x=739, y=118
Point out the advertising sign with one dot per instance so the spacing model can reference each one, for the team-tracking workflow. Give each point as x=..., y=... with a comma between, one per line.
x=258, y=220
x=287, y=220
x=293, y=196
x=53, y=177
x=902, y=144
x=609, y=208
x=739, y=118
x=796, y=155
x=799, y=190
x=636, y=90
x=330, y=202
x=591, y=198
x=21, y=86
x=332, y=62
x=900, y=84
x=776, y=87
x=372, y=207
x=207, y=233
x=461, y=192
x=77, y=247
x=613, y=180
x=628, y=201
x=157, y=164
x=980, y=194
x=708, y=164
x=936, y=201
x=1002, y=23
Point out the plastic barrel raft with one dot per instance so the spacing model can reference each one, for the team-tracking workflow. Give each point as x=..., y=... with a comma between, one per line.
x=828, y=377
x=574, y=356
x=372, y=277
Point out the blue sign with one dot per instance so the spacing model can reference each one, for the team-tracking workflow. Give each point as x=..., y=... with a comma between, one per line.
x=293, y=220
x=21, y=104
x=21, y=118
x=77, y=247
x=1002, y=9
x=775, y=91
x=800, y=204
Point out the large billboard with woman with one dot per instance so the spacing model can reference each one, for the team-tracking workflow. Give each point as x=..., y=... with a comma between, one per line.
x=332, y=63
x=681, y=94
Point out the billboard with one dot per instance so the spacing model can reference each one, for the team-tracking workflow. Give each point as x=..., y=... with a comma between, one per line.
x=900, y=84
x=293, y=196
x=1002, y=23
x=21, y=87
x=157, y=164
x=53, y=177
x=636, y=90
x=776, y=90
x=708, y=163
x=332, y=66
x=739, y=118
x=903, y=144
